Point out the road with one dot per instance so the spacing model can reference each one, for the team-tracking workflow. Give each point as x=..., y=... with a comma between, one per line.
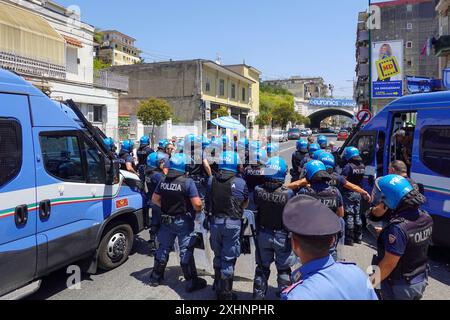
x=129, y=281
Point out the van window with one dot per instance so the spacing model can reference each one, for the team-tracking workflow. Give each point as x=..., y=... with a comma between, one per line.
x=95, y=166
x=435, y=149
x=10, y=150
x=366, y=146
x=62, y=156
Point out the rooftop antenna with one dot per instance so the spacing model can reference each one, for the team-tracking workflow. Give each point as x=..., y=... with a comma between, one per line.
x=218, y=58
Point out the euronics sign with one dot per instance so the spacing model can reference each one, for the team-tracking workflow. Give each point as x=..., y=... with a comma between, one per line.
x=341, y=103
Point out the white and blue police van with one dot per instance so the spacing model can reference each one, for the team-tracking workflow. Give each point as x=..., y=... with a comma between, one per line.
x=63, y=198
x=425, y=118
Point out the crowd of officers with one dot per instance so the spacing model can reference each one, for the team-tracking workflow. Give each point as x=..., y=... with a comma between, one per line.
x=303, y=221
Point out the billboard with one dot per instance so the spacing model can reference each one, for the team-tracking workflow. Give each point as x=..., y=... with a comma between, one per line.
x=325, y=102
x=387, y=69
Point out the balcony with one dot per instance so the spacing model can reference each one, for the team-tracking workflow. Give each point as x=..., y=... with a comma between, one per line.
x=442, y=46
x=31, y=67
x=363, y=35
x=111, y=80
x=363, y=70
x=363, y=54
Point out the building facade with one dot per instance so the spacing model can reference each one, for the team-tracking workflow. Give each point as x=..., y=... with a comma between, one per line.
x=194, y=88
x=118, y=49
x=442, y=43
x=52, y=48
x=362, y=90
x=413, y=22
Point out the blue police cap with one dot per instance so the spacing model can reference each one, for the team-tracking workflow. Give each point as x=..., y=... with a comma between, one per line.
x=307, y=216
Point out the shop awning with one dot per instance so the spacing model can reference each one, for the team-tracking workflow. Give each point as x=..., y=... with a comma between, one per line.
x=29, y=35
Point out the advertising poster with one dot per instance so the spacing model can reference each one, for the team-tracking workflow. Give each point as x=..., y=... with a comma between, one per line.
x=387, y=69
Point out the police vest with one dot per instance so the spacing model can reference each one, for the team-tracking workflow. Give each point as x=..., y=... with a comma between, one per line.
x=151, y=179
x=415, y=259
x=174, y=201
x=123, y=160
x=254, y=176
x=328, y=197
x=271, y=204
x=298, y=157
x=142, y=154
x=224, y=205
x=356, y=173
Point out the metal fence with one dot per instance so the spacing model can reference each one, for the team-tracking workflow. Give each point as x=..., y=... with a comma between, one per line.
x=31, y=67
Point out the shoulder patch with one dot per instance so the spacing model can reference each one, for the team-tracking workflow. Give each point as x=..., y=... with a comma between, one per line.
x=392, y=238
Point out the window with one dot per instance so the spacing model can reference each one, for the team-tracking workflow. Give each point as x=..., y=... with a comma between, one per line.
x=409, y=7
x=98, y=113
x=72, y=60
x=366, y=145
x=409, y=44
x=222, y=87
x=10, y=150
x=62, y=157
x=435, y=149
x=94, y=164
x=244, y=98
x=409, y=26
x=409, y=63
x=207, y=85
x=233, y=91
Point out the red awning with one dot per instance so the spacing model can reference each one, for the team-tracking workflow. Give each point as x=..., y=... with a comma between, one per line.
x=73, y=42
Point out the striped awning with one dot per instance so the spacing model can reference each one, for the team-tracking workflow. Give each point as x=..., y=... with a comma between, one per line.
x=228, y=123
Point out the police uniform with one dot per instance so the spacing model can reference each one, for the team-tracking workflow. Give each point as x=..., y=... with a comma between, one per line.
x=226, y=194
x=142, y=153
x=408, y=236
x=152, y=180
x=272, y=238
x=322, y=278
x=254, y=176
x=124, y=158
x=177, y=222
x=297, y=164
x=353, y=171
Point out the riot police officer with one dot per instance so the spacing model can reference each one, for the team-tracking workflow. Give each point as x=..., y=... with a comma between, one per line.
x=272, y=149
x=179, y=201
x=313, y=148
x=198, y=168
x=227, y=199
x=110, y=146
x=314, y=228
x=273, y=242
x=320, y=189
x=126, y=157
x=254, y=173
x=403, y=243
x=353, y=172
x=323, y=142
x=142, y=153
x=153, y=175
x=297, y=157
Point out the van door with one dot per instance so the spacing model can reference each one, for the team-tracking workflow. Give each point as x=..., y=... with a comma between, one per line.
x=431, y=168
x=366, y=142
x=18, y=207
x=72, y=174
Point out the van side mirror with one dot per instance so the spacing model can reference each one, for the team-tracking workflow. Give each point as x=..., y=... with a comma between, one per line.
x=112, y=171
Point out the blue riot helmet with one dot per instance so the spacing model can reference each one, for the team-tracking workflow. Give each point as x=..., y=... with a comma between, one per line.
x=255, y=145
x=144, y=141
x=302, y=145
x=272, y=148
x=163, y=143
x=322, y=141
x=314, y=167
x=109, y=143
x=350, y=152
x=205, y=142
x=243, y=143
x=316, y=155
x=229, y=161
x=178, y=162
x=154, y=160
x=275, y=169
x=260, y=156
x=328, y=160
x=180, y=145
x=128, y=145
x=393, y=188
x=313, y=147
x=225, y=140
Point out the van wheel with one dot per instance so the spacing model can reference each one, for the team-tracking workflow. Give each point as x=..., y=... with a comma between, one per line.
x=115, y=246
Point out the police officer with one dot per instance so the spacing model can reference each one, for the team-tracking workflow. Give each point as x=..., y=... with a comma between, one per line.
x=153, y=175
x=198, y=168
x=314, y=228
x=272, y=149
x=353, y=172
x=254, y=173
x=273, y=242
x=297, y=157
x=323, y=142
x=314, y=147
x=142, y=153
x=110, y=146
x=227, y=198
x=320, y=189
x=403, y=243
x=126, y=157
x=179, y=201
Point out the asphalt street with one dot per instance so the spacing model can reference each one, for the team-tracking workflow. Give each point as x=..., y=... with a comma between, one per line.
x=129, y=281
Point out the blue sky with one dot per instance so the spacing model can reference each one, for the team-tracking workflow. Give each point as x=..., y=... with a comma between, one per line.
x=280, y=38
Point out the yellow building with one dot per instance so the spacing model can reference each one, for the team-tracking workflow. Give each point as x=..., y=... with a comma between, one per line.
x=118, y=49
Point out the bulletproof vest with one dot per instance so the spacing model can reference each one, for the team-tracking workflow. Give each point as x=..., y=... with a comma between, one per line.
x=224, y=205
x=328, y=197
x=415, y=259
x=271, y=204
x=151, y=180
x=142, y=154
x=173, y=196
x=196, y=168
x=334, y=182
x=254, y=176
x=123, y=160
x=356, y=173
x=298, y=157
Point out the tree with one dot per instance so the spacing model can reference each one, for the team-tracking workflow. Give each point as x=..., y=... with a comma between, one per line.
x=283, y=114
x=221, y=112
x=276, y=104
x=100, y=64
x=263, y=120
x=154, y=112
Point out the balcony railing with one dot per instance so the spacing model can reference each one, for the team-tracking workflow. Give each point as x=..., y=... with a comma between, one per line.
x=442, y=46
x=111, y=80
x=363, y=35
x=31, y=67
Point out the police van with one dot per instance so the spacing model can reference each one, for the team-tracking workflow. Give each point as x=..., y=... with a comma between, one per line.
x=425, y=120
x=62, y=196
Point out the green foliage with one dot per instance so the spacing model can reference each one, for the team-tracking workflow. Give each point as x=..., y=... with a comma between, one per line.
x=277, y=105
x=221, y=112
x=98, y=36
x=263, y=120
x=154, y=112
x=100, y=64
